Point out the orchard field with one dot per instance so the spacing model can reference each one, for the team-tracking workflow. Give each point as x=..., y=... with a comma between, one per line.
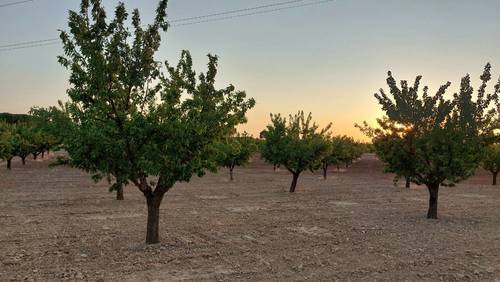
x=356, y=225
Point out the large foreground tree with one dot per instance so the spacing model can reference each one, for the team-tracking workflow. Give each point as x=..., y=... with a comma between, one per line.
x=133, y=121
x=447, y=135
x=296, y=143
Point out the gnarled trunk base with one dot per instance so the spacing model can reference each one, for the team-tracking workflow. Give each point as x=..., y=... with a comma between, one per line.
x=153, y=224
x=433, y=200
x=119, y=194
x=294, y=182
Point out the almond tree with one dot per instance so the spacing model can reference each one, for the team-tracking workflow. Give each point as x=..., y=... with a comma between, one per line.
x=448, y=134
x=23, y=141
x=6, y=144
x=342, y=149
x=146, y=126
x=53, y=123
x=491, y=161
x=235, y=151
x=296, y=143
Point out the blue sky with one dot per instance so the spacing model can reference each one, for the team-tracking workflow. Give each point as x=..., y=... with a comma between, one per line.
x=328, y=59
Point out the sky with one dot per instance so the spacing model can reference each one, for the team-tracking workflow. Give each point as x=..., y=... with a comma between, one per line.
x=328, y=59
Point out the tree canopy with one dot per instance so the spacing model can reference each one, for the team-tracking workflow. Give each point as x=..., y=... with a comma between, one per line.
x=437, y=141
x=491, y=160
x=297, y=144
x=6, y=143
x=342, y=150
x=14, y=118
x=147, y=123
x=235, y=151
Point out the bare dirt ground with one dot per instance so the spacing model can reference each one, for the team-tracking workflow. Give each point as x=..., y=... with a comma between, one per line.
x=56, y=224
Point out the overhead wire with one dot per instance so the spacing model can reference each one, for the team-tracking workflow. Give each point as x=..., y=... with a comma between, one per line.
x=15, y=3
x=214, y=17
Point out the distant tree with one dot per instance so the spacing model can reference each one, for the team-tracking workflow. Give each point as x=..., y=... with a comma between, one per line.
x=491, y=160
x=23, y=141
x=448, y=135
x=347, y=149
x=133, y=121
x=38, y=140
x=14, y=118
x=342, y=149
x=54, y=123
x=235, y=151
x=329, y=158
x=296, y=144
x=6, y=143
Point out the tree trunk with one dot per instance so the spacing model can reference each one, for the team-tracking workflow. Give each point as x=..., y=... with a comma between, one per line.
x=325, y=171
x=407, y=182
x=23, y=160
x=294, y=182
x=274, y=167
x=43, y=154
x=495, y=178
x=433, y=200
x=9, y=164
x=231, y=173
x=119, y=193
x=35, y=155
x=152, y=232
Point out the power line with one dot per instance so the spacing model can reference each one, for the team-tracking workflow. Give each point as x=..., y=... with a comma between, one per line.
x=15, y=3
x=28, y=43
x=236, y=11
x=176, y=20
x=253, y=13
x=29, y=46
x=187, y=21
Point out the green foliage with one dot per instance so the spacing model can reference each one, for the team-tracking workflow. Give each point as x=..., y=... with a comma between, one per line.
x=395, y=147
x=135, y=121
x=438, y=141
x=341, y=150
x=14, y=118
x=345, y=149
x=491, y=158
x=23, y=141
x=19, y=140
x=235, y=151
x=296, y=143
x=6, y=141
x=444, y=138
x=54, y=123
x=24, y=138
